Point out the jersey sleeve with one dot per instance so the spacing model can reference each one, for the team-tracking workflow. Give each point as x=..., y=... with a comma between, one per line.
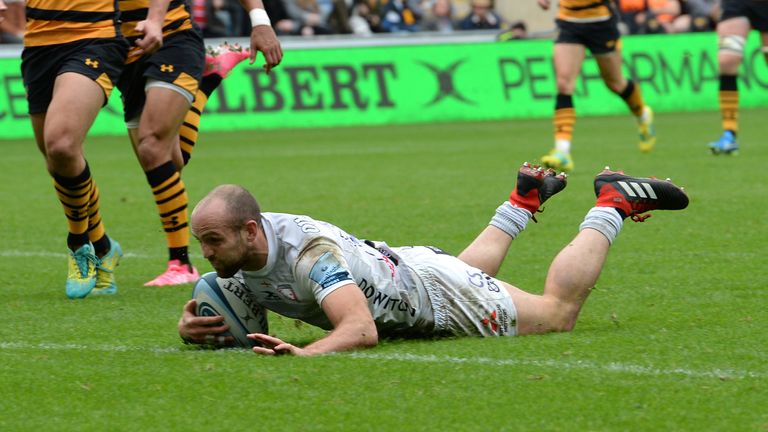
x=322, y=268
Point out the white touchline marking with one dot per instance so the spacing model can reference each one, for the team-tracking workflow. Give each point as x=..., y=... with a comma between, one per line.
x=49, y=254
x=576, y=364
x=633, y=369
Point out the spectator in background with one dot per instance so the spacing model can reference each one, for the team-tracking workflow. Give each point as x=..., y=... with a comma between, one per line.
x=698, y=15
x=12, y=21
x=307, y=16
x=340, y=16
x=223, y=18
x=364, y=18
x=401, y=16
x=482, y=17
x=518, y=30
x=440, y=17
x=650, y=16
x=281, y=21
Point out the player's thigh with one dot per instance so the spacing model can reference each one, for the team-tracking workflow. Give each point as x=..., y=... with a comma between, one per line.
x=164, y=112
x=567, y=60
x=732, y=34
x=38, y=126
x=76, y=102
x=734, y=26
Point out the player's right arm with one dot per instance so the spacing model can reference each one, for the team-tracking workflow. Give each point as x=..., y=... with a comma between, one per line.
x=152, y=27
x=263, y=37
x=353, y=327
x=544, y=4
x=202, y=329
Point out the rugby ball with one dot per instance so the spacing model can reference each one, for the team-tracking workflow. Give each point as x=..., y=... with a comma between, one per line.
x=232, y=300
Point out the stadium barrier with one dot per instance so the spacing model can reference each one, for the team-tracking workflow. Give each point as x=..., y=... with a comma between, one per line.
x=402, y=80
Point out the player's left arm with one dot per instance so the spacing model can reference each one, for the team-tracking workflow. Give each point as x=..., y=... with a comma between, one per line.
x=152, y=27
x=263, y=37
x=353, y=327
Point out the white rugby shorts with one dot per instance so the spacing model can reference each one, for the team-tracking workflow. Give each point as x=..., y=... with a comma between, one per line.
x=466, y=301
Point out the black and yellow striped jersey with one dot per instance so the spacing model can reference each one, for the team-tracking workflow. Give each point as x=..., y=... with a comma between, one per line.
x=51, y=22
x=585, y=10
x=177, y=18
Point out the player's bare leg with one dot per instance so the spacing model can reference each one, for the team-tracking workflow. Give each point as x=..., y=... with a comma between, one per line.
x=567, y=59
x=158, y=131
x=534, y=186
x=610, y=65
x=60, y=134
x=732, y=36
x=575, y=270
x=76, y=101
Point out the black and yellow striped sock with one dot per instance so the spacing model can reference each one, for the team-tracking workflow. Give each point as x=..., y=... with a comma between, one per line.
x=565, y=118
x=74, y=194
x=729, y=103
x=633, y=98
x=172, y=200
x=96, y=231
x=189, y=129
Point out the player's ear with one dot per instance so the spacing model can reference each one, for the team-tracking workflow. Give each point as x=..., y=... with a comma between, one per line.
x=252, y=228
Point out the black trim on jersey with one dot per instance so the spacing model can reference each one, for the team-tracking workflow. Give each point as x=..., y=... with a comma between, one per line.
x=73, y=16
x=141, y=14
x=386, y=254
x=170, y=27
x=594, y=5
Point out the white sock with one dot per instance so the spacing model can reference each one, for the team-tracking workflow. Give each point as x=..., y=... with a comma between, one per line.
x=510, y=219
x=606, y=220
x=563, y=146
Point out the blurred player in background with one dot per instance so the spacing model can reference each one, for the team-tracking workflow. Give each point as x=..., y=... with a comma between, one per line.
x=157, y=90
x=590, y=24
x=163, y=98
x=360, y=290
x=739, y=17
x=73, y=55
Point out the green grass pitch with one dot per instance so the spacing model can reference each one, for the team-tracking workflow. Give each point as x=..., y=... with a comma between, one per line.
x=674, y=337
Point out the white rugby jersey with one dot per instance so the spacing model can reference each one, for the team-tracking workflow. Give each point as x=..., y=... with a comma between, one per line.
x=309, y=259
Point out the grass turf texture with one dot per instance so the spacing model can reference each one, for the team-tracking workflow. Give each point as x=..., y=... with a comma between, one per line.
x=672, y=338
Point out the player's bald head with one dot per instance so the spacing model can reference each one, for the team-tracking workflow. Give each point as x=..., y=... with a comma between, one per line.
x=231, y=204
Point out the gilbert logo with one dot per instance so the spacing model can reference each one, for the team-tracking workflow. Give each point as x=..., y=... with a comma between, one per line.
x=166, y=68
x=92, y=63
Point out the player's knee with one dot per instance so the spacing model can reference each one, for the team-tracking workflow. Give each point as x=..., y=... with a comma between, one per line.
x=565, y=85
x=562, y=315
x=61, y=147
x=549, y=315
x=617, y=86
x=152, y=150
